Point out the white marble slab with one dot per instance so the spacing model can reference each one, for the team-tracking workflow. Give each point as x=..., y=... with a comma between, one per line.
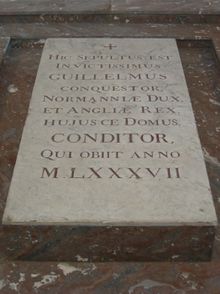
x=120, y=111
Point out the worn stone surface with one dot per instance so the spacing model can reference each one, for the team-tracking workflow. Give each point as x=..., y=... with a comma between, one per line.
x=39, y=32
x=3, y=47
x=109, y=6
x=40, y=6
x=73, y=167
x=172, y=6
x=106, y=243
x=111, y=278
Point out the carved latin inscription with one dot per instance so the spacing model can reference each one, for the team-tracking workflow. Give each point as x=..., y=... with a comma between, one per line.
x=110, y=138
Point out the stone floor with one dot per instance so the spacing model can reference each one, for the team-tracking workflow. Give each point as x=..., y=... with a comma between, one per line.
x=109, y=278
x=29, y=23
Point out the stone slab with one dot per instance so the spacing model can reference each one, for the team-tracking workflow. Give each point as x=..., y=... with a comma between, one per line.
x=147, y=175
x=172, y=6
x=26, y=7
x=58, y=7
x=104, y=242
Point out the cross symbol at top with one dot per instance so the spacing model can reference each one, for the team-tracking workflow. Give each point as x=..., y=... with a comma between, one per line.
x=110, y=46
